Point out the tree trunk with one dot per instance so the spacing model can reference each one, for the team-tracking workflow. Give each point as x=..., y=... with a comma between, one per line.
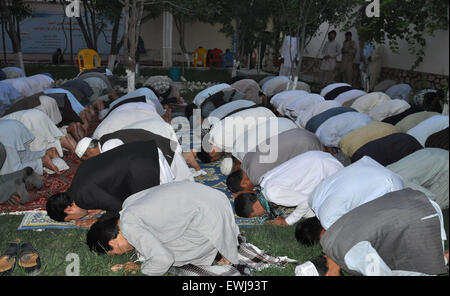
x=115, y=46
x=181, y=28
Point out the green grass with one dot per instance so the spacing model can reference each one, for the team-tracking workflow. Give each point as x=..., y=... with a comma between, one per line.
x=55, y=245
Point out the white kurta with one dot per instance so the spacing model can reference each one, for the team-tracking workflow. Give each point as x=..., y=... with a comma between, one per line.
x=46, y=133
x=333, y=50
x=367, y=102
x=177, y=224
x=331, y=87
x=294, y=109
x=149, y=96
x=21, y=85
x=224, y=133
x=50, y=107
x=260, y=133
x=292, y=183
x=357, y=184
x=219, y=113
x=305, y=115
x=39, y=83
x=17, y=138
x=120, y=119
x=206, y=93
x=332, y=130
x=428, y=127
x=283, y=99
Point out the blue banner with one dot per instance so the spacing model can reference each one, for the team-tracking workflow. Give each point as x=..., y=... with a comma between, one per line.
x=44, y=32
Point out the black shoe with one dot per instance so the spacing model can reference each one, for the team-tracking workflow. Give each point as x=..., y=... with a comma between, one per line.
x=8, y=259
x=29, y=259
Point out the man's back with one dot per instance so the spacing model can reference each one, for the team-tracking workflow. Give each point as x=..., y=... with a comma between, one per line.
x=105, y=181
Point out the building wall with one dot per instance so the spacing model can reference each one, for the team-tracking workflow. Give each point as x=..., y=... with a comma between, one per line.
x=436, y=60
x=197, y=34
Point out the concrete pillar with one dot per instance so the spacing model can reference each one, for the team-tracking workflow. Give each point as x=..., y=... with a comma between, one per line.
x=167, y=39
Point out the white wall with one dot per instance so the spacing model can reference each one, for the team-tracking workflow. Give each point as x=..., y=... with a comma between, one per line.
x=197, y=34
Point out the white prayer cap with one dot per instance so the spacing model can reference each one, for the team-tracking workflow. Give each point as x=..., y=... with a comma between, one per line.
x=227, y=166
x=306, y=269
x=82, y=146
x=103, y=114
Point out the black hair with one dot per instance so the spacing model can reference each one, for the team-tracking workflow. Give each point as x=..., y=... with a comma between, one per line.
x=234, y=181
x=204, y=156
x=189, y=111
x=103, y=231
x=432, y=101
x=348, y=34
x=332, y=32
x=321, y=264
x=56, y=205
x=243, y=204
x=307, y=232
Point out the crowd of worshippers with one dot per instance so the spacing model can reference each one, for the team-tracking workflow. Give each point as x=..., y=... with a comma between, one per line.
x=365, y=174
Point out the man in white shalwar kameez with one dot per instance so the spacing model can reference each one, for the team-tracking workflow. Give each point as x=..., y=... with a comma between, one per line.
x=170, y=225
x=331, y=50
x=16, y=139
x=118, y=119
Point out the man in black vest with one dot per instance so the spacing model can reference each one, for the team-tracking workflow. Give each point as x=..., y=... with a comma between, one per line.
x=401, y=233
x=105, y=181
x=88, y=148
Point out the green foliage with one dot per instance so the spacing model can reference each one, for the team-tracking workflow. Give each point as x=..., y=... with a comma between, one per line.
x=405, y=20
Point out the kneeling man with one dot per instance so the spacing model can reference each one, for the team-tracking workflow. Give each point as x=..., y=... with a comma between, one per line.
x=170, y=225
x=105, y=181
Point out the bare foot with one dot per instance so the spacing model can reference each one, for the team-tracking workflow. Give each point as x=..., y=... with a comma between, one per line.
x=99, y=104
x=47, y=162
x=14, y=200
x=69, y=143
x=168, y=115
x=190, y=160
x=52, y=153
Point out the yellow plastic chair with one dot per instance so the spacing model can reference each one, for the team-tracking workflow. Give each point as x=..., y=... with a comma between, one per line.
x=200, y=55
x=88, y=59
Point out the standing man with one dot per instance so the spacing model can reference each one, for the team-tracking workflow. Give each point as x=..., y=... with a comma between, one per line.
x=348, y=55
x=371, y=65
x=330, y=52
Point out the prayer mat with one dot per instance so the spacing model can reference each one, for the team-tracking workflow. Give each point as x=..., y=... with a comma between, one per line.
x=38, y=220
x=251, y=258
x=52, y=184
x=215, y=179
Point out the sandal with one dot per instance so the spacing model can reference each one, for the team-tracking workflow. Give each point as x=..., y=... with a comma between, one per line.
x=8, y=259
x=29, y=259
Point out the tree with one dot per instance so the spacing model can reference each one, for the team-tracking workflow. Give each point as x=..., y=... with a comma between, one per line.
x=112, y=11
x=13, y=12
x=302, y=19
x=246, y=20
x=405, y=20
x=133, y=11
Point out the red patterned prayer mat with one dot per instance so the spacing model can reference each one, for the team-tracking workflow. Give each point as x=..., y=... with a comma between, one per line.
x=52, y=184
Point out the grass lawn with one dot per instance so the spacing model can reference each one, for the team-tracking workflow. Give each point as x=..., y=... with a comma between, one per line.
x=55, y=245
